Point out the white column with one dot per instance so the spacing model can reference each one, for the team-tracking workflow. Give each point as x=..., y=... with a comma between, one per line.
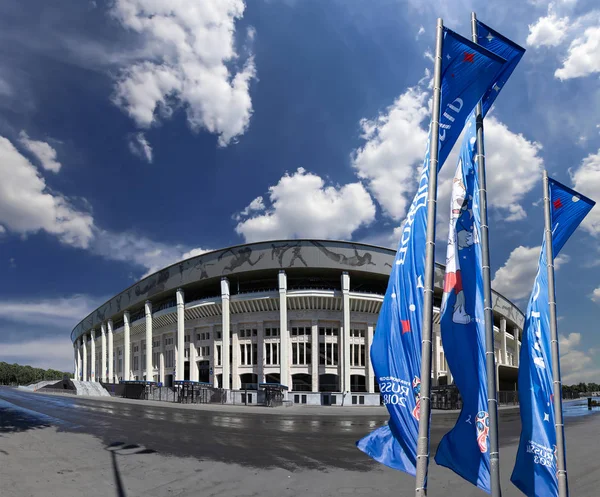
x=370, y=371
x=345, y=335
x=314, y=366
x=93, y=355
x=74, y=361
x=126, y=347
x=149, y=368
x=103, y=352
x=225, y=332
x=284, y=354
x=518, y=346
x=213, y=357
x=260, y=360
x=236, y=384
x=161, y=367
x=434, y=351
x=84, y=347
x=180, y=359
x=111, y=375
x=78, y=358
x=193, y=365
x=504, y=357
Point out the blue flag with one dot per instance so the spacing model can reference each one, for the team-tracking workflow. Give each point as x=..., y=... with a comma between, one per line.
x=535, y=472
x=464, y=449
x=467, y=72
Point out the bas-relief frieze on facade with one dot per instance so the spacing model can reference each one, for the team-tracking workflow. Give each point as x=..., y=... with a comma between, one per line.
x=261, y=256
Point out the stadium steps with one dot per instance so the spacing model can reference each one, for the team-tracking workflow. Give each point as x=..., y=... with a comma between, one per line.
x=90, y=388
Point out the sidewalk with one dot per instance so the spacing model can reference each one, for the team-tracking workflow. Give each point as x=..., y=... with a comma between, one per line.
x=295, y=410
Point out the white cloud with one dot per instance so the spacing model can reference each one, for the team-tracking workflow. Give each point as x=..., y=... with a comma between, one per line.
x=43, y=353
x=515, y=279
x=257, y=205
x=62, y=312
x=576, y=366
x=42, y=151
x=596, y=295
x=393, y=153
x=139, y=250
x=550, y=30
x=192, y=63
x=420, y=32
x=303, y=207
x=139, y=146
x=27, y=206
x=583, y=57
x=586, y=180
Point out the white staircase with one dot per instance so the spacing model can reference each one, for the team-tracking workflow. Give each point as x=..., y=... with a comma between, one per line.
x=90, y=388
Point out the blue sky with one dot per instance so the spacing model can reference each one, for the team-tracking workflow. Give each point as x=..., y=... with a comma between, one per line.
x=134, y=133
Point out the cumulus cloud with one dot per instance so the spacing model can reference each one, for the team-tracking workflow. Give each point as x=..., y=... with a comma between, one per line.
x=139, y=250
x=596, y=295
x=391, y=158
x=192, y=62
x=586, y=180
x=302, y=206
x=576, y=366
x=42, y=151
x=139, y=146
x=257, y=205
x=515, y=278
x=550, y=30
x=583, y=57
x=27, y=206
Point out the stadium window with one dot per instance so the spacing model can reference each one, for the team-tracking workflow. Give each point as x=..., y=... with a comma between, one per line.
x=363, y=355
x=335, y=354
x=329, y=353
x=335, y=332
x=242, y=354
x=295, y=353
x=322, y=355
x=267, y=332
x=268, y=353
x=218, y=355
x=254, y=353
x=322, y=332
x=294, y=332
x=219, y=335
x=254, y=332
x=208, y=336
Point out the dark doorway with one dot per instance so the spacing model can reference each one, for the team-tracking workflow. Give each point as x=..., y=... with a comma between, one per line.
x=329, y=383
x=186, y=371
x=358, y=383
x=272, y=378
x=169, y=380
x=301, y=382
x=204, y=371
x=249, y=381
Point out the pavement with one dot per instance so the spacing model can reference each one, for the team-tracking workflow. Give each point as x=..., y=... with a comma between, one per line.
x=72, y=446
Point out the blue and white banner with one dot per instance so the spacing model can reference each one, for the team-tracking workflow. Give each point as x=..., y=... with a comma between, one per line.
x=465, y=448
x=468, y=70
x=535, y=471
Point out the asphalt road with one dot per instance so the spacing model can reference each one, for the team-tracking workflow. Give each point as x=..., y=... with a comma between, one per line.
x=59, y=446
x=284, y=440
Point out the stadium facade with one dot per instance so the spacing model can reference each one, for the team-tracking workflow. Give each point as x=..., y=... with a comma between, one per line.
x=301, y=313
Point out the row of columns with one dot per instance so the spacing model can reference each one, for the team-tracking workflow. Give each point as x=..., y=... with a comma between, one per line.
x=108, y=374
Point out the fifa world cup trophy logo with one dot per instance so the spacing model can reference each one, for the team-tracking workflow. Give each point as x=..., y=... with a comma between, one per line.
x=416, y=385
x=482, y=422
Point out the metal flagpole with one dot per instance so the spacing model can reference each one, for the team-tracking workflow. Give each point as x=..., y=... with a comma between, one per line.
x=490, y=362
x=558, y=417
x=425, y=407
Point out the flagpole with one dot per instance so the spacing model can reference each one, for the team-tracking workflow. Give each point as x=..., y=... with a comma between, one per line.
x=425, y=407
x=490, y=362
x=557, y=386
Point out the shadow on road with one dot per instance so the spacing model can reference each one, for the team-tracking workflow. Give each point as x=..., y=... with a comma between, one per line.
x=12, y=420
x=122, y=449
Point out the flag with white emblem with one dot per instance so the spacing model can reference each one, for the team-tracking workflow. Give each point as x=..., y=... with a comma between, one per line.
x=468, y=71
x=465, y=448
x=535, y=472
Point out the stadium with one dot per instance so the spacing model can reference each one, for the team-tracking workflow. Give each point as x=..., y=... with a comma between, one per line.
x=298, y=313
